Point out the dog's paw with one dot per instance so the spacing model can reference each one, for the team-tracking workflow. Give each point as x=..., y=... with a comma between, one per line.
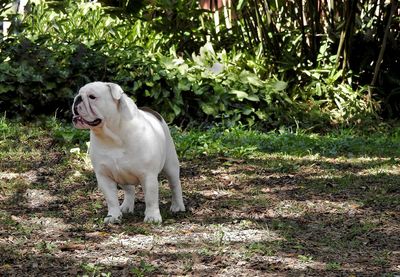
x=176, y=207
x=110, y=219
x=127, y=207
x=153, y=217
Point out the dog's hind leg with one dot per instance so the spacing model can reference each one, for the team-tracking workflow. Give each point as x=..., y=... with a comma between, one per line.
x=171, y=170
x=150, y=187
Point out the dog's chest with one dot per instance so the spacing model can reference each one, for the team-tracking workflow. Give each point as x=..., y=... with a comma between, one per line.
x=119, y=166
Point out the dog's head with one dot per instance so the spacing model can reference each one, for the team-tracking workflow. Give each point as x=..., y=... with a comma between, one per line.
x=97, y=103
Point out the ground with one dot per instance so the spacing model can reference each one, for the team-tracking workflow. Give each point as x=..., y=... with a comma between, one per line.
x=255, y=207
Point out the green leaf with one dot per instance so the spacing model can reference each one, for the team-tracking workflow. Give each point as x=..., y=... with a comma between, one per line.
x=243, y=95
x=156, y=77
x=199, y=90
x=208, y=109
x=218, y=89
x=183, y=69
x=247, y=110
x=177, y=110
x=254, y=80
x=240, y=4
x=279, y=85
x=247, y=77
x=5, y=88
x=261, y=115
x=149, y=83
x=253, y=98
x=239, y=94
x=335, y=77
x=184, y=85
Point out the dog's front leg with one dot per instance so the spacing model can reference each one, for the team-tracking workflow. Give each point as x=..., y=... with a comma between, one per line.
x=128, y=205
x=110, y=191
x=150, y=187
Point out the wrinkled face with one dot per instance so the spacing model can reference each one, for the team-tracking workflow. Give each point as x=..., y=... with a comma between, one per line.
x=93, y=105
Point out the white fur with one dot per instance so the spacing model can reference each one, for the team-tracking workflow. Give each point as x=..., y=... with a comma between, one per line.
x=128, y=147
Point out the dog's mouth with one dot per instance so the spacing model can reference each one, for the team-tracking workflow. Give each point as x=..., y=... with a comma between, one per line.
x=79, y=119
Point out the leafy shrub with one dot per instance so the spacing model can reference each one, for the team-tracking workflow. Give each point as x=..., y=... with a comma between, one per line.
x=59, y=51
x=37, y=80
x=191, y=90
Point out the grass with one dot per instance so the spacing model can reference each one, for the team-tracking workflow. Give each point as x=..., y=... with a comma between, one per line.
x=280, y=202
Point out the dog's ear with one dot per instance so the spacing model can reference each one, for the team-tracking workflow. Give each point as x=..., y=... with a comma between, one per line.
x=126, y=106
x=116, y=91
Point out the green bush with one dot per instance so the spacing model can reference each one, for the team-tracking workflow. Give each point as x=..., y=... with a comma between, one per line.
x=37, y=80
x=59, y=51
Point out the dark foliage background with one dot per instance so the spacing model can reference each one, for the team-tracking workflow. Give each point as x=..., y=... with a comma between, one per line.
x=308, y=63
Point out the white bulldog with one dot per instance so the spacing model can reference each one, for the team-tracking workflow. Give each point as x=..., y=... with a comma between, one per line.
x=128, y=146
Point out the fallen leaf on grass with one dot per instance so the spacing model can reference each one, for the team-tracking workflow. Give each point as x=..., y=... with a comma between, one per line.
x=96, y=234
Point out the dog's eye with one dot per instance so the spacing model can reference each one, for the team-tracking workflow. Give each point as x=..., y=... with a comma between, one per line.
x=92, y=97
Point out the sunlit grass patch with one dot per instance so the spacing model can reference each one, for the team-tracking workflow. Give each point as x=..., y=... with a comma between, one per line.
x=239, y=142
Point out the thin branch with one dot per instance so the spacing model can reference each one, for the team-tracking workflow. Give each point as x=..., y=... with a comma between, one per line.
x=384, y=42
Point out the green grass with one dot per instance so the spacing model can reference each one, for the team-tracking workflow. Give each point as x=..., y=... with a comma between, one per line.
x=235, y=142
x=240, y=142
